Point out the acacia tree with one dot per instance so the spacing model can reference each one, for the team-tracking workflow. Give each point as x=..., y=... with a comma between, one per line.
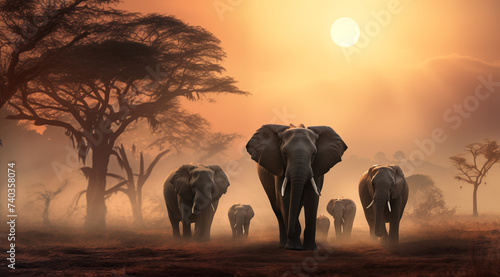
x=33, y=32
x=47, y=196
x=484, y=156
x=132, y=73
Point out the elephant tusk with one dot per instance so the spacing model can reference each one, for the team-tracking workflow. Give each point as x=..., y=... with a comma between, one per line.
x=234, y=226
x=213, y=209
x=315, y=187
x=283, y=187
x=192, y=210
x=371, y=203
x=389, y=205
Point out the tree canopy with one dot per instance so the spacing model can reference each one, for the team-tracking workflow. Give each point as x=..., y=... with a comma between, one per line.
x=129, y=70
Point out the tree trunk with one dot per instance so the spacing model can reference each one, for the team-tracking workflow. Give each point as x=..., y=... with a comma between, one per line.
x=474, y=201
x=136, y=208
x=139, y=219
x=96, y=206
x=45, y=216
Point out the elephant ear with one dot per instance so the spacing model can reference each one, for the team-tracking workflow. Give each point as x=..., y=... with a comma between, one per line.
x=250, y=212
x=180, y=181
x=221, y=181
x=400, y=182
x=370, y=174
x=329, y=207
x=264, y=148
x=330, y=148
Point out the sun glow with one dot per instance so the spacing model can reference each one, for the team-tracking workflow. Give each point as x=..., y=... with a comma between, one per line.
x=345, y=32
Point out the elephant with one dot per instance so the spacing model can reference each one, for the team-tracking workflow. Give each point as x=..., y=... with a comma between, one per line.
x=192, y=194
x=239, y=219
x=343, y=212
x=383, y=192
x=322, y=227
x=291, y=163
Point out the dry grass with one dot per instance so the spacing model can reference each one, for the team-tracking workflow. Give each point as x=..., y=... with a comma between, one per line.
x=466, y=247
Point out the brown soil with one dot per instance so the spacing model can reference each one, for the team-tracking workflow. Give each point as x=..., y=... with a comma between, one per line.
x=467, y=248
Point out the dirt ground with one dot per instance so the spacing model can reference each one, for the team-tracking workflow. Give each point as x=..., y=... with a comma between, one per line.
x=469, y=247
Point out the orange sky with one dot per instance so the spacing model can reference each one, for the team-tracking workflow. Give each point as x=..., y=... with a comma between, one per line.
x=391, y=94
x=420, y=58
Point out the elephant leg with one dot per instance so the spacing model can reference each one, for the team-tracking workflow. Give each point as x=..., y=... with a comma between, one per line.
x=234, y=232
x=186, y=230
x=175, y=223
x=175, y=229
x=384, y=239
x=247, y=229
x=281, y=211
x=211, y=214
x=338, y=228
x=272, y=188
x=371, y=223
x=311, y=201
x=282, y=229
x=348, y=227
x=394, y=223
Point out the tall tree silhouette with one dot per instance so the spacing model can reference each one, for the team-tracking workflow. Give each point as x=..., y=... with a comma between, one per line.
x=32, y=33
x=484, y=156
x=133, y=72
x=131, y=184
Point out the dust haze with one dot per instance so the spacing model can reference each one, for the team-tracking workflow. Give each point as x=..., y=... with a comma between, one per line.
x=422, y=89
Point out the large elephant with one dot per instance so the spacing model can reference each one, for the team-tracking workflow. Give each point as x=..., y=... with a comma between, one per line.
x=343, y=212
x=192, y=194
x=291, y=164
x=384, y=192
x=322, y=227
x=239, y=219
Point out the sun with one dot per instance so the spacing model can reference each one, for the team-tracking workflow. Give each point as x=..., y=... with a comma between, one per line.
x=345, y=32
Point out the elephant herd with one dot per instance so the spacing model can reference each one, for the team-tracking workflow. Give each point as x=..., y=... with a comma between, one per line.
x=291, y=164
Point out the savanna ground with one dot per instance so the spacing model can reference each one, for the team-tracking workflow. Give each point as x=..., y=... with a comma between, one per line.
x=466, y=247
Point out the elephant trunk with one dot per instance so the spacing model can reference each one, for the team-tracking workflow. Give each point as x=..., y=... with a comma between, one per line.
x=239, y=225
x=298, y=181
x=379, y=206
x=201, y=201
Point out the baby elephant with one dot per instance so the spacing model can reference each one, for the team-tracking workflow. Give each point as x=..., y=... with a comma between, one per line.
x=343, y=212
x=322, y=227
x=239, y=219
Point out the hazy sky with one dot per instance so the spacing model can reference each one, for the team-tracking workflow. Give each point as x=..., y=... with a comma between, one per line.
x=394, y=87
x=416, y=71
x=433, y=67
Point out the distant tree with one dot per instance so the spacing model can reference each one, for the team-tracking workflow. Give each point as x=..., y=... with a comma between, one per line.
x=132, y=73
x=47, y=196
x=399, y=155
x=425, y=199
x=484, y=156
x=380, y=158
x=215, y=145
